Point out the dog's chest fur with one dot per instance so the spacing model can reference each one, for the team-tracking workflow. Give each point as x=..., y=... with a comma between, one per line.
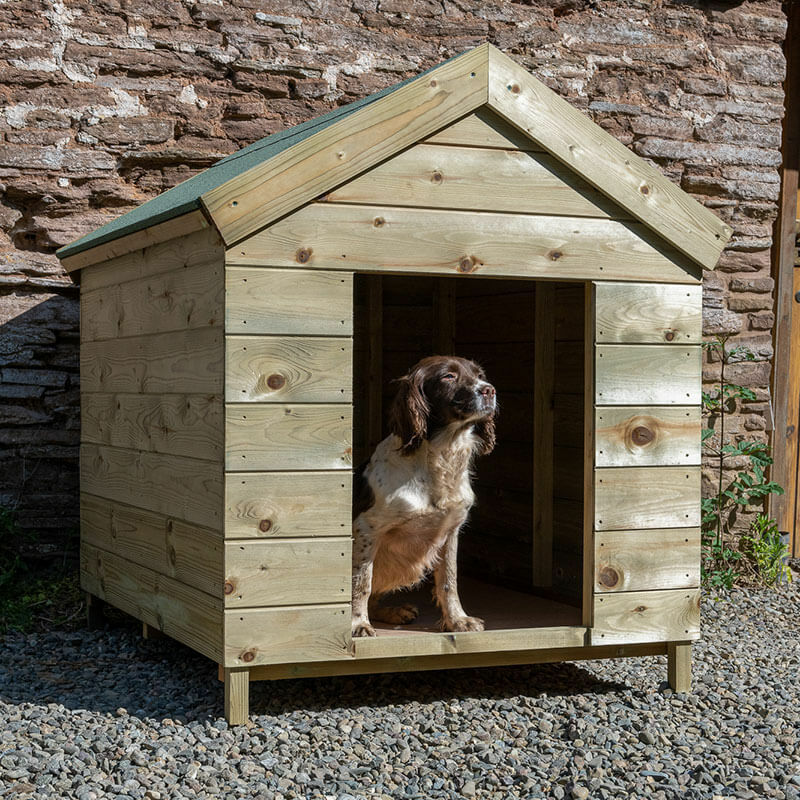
x=417, y=500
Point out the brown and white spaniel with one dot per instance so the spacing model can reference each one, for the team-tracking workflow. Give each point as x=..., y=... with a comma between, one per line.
x=414, y=494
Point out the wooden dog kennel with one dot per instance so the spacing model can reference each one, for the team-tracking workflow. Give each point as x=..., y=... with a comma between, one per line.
x=238, y=334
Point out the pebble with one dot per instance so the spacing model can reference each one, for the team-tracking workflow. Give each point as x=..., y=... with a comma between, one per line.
x=99, y=714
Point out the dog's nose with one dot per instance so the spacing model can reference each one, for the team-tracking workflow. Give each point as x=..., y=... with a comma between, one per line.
x=488, y=391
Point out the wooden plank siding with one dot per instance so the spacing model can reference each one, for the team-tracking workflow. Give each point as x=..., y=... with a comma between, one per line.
x=174, y=424
x=182, y=612
x=646, y=483
x=483, y=128
x=287, y=504
x=477, y=179
x=380, y=238
x=181, y=299
x=152, y=435
x=189, y=553
x=288, y=455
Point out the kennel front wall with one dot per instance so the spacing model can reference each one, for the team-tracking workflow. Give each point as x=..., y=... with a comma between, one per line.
x=289, y=344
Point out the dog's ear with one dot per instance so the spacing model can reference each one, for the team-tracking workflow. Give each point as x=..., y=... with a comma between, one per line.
x=485, y=431
x=409, y=415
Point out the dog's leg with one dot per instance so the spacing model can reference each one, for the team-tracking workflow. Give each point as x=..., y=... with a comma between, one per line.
x=454, y=618
x=362, y=577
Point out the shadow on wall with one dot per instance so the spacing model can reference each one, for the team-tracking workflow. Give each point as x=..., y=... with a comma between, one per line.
x=39, y=410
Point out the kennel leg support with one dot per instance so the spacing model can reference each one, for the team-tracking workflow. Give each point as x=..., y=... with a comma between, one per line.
x=237, y=695
x=679, y=666
x=95, y=619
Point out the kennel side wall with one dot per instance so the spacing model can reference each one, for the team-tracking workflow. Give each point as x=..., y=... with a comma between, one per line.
x=476, y=199
x=152, y=436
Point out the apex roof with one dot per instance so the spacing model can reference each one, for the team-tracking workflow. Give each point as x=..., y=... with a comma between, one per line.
x=253, y=187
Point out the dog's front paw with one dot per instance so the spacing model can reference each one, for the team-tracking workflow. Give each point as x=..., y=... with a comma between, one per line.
x=362, y=628
x=460, y=624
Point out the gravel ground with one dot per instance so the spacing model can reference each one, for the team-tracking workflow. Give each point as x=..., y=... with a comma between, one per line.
x=106, y=714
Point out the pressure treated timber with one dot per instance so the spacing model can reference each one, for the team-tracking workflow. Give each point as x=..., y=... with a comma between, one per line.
x=657, y=616
x=679, y=666
x=647, y=436
x=367, y=666
x=237, y=695
x=181, y=550
x=256, y=636
x=433, y=644
x=168, y=301
x=197, y=249
x=281, y=369
x=349, y=146
x=293, y=301
x=543, y=457
x=586, y=519
x=630, y=374
x=177, y=424
x=482, y=128
x=183, y=613
x=649, y=313
x=280, y=572
x=287, y=504
x=629, y=561
x=289, y=437
x=176, y=228
x=391, y=239
x=185, y=361
x=477, y=179
x=186, y=488
x=575, y=140
x=633, y=498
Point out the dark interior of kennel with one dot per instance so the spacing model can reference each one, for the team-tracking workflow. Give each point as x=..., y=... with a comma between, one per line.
x=400, y=319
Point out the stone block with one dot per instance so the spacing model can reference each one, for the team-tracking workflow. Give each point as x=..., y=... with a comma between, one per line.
x=721, y=321
x=760, y=284
x=750, y=302
x=143, y=130
x=761, y=322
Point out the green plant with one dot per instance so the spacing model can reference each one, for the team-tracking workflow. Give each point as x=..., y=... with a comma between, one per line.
x=721, y=561
x=767, y=551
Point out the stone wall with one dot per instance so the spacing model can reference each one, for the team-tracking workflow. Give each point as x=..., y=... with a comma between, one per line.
x=107, y=103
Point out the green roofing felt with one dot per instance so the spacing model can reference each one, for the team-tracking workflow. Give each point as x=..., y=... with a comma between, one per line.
x=185, y=197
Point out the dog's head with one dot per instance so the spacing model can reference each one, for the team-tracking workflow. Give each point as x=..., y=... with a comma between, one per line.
x=438, y=392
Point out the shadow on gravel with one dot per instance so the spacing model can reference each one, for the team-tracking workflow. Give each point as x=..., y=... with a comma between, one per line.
x=377, y=691
x=104, y=671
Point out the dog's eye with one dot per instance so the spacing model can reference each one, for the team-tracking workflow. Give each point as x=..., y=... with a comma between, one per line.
x=449, y=377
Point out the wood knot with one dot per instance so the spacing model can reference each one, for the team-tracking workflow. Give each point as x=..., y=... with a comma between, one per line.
x=514, y=88
x=669, y=335
x=554, y=255
x=640, y=609
x=228, y=588
x=434, y=83
x=644, y=189
x=303, y=255
x=641, y=435
x=247, y=656
x=276, y=381
x=379, y=222
x=608, y=577
x=467, y=264
x=437, y=177
x=265, y=525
